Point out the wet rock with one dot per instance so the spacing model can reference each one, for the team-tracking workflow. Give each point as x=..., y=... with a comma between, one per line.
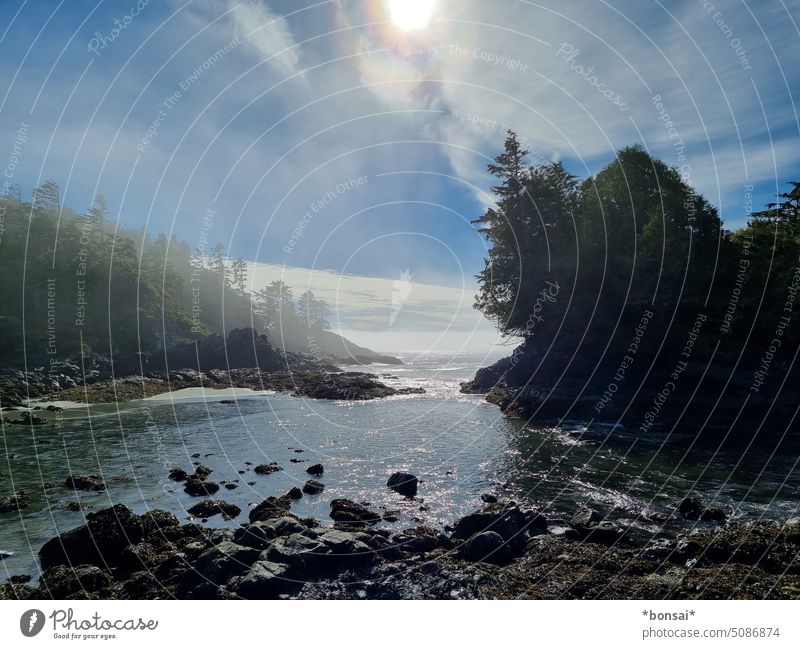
x=73, y=507
x=606, y=532
x=313, y=487
x=261, y=533
x=267, y=469
x=230, y=486
x=295, y=493
x=316, y=469
x=489, y=499
x=303, y=554
x=511, y=523
x=15, y=502
x=585, y=518
x=266, y=580
x=224, y=561
x=85, y=483
x=202, y=472
x=487, y=547
x=693, y=509
x=99, y=542
x=5, y=554
x=60, y=582
x=158, y=522
x=178, y=475
x=347, y=511
x=197, y=487
x=138, y=556
x=421, y=539
x=19, y=579
x=296, y=460
x=271, y=508
x=403, y=483
x=211, y=507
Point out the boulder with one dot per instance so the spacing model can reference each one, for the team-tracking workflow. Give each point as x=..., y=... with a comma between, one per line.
x=295, y=493
x=266, y=469
x=347, y=511
x=403, y=483
x=212, y=507
x=202, y=472
x=511, y=523
x=585, y=518
x=266, y=580
x=61, y=582
x=271, y=508
x=693, y=509
x=313, y=487
x=178, y=475
x=487, y=547
x=15, y=502
x=261, y=533
x=85, y=483
x=197, y=487
x=157, y=521
x=301, y=553
x=489, y=499
x=224, y=561
x=315, y=469
x=99, y=542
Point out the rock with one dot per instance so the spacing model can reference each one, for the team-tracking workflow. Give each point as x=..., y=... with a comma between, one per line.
x=211, y=507
x=85, y=483
x=178, y=475
x=221, y=562
x=266, y=580
x=266, y=469
x=99, y=542
x=606, y=532
x=19, y=579
x=296, y=460
x=421, y=539
x=585, y=518
x=487, y=547
x=202, y=472
x=197, y=487
x=15, y=502
x=261, y=533
x=489, y=499
x=403, y=483
x=158, y=522
x=138, y=556
x=230, y=486
x=512, y=524
x=295, y=493
x=271, y=508
x=5, y=554
x=693, y=509
x=303, y=554
x=73, y=507
x=313, y=487
x=60, y=582
x=347, y=511
x=316, y=469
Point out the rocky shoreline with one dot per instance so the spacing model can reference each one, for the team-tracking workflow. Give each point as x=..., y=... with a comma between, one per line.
x=499, y=551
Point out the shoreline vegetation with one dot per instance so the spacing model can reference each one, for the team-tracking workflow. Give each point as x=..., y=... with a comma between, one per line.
x=635, y=305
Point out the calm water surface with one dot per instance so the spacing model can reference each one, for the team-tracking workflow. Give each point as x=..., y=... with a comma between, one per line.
x=459, y=445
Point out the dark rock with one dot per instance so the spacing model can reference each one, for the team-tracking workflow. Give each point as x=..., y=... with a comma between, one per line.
x=60, y=582
x=197, y=487
x=178, y=475
x=99, y=542
x=347, y=511
x=73, y=507
x=202, y=472
x=259, y=534
x=693, y=509
x=212, y=507
x=85, y=483
x=316, y=469
x=19, y=579
x=224, y=561
x=512, y=524
x=266, y=469
x=487, y=547
x=303, y=554
x=296, y=460
x=403, y=483
x=489, y=499
x=266, y=580
x=421, y=539
x=313, y=487
x=15, y=502
x=585, y=518
x=271, y=508
x=157, y=522
x=138, y=556
x=295, y=493
x=230, y=486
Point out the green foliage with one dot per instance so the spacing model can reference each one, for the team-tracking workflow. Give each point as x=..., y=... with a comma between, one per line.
x=635, y=237
x=78, y=283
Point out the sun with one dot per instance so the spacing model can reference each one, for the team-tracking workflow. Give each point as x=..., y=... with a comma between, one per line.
x=409, y=15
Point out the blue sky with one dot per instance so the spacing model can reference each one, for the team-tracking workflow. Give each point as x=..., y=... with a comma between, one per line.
x=264, y=111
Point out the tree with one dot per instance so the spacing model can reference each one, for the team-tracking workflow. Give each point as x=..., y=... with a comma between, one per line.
x=46, y=196
x=239, y=272
x=98, y=214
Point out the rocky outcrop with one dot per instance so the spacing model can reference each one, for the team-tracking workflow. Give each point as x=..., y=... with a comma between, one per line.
x=405, y=484
x=15, y=502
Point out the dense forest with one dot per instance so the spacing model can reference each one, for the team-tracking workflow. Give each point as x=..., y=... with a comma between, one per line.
x=632, y=267
x=79, y=283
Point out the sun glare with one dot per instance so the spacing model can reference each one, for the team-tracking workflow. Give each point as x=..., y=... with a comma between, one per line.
x=409, y=15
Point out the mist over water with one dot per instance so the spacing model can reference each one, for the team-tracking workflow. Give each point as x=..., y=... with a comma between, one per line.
x=458, y=445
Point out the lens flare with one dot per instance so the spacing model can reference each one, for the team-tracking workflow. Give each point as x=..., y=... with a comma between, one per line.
x=409, y=15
